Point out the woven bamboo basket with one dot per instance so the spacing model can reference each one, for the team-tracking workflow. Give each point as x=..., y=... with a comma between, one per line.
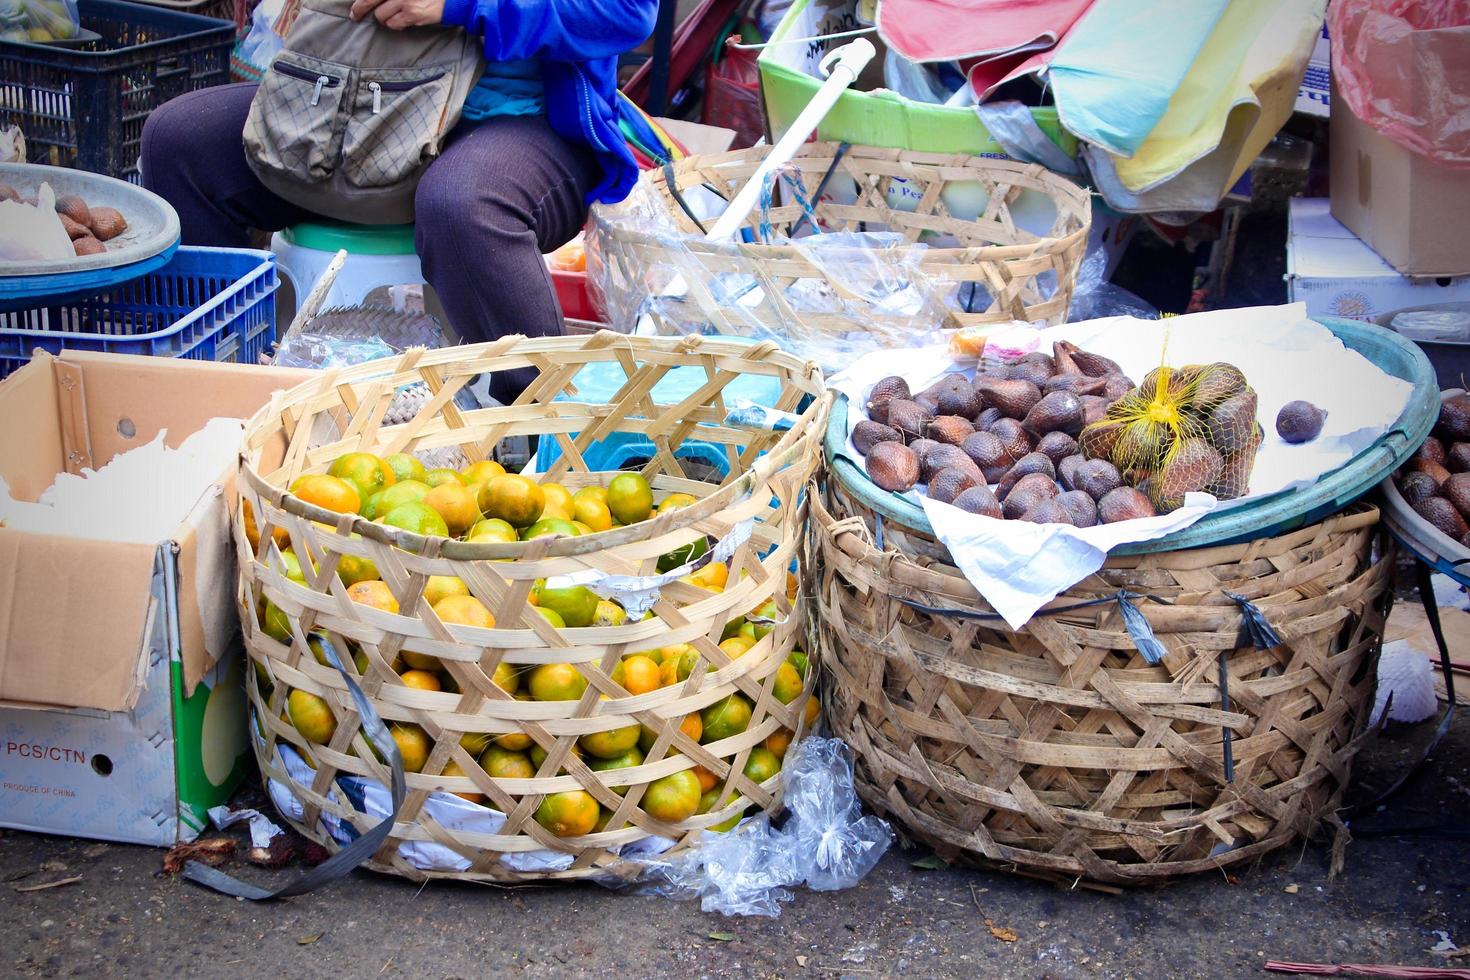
x=303, y=430
x=981, y=270
x=1057, y=750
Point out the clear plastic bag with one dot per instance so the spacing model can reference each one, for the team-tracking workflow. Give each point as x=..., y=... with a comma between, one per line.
x=38, y=21
x=1400, y=66
x=262, y=43
x=1093, y=297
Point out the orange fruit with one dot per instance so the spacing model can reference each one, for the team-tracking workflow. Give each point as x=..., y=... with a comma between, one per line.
x=675, y=501
x=609, y=613
x=366, y=472
x=311, y=716
x=275, y=623
x=482, y=472
x=627, y=760
x=813, y=709
x=442, y=587
x=464, y=610
x=673, y=652
x=439, y=477
x=611, y=743
x=792, y=587
x=352, y=569
x=421, y=680
x=503, y=764
x=492, y=529
x=713, y=576
x=595, y=493
x=707, y=803
x=328, y=493
x=582, y=528
x=452, y=770
x=638, y=674
x=761, y=764
x=672, y=798
x=779, y=741
x=630, y=498
x=558, y=501
x=413, y=744
x=514, y=499
x=252, y=531
x=538, y=754
x=514, y=741
x=707, y=779
x=405, y=467
x=577, y=605
x=417, y=518
x=506, y=677
x=549, y=526
x=475, y=742
x=569, y=814
x=552, y=616
x=737, y=646
x=590, y=510
x=788, y=684
x=691, y=726
x=403, y=492
x=456, y=505
x=800, y=661
x=727, y=717
x=374, y=593
x=557, y=682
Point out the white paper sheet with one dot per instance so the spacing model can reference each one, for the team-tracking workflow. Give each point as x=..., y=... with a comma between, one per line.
x=1019, y=567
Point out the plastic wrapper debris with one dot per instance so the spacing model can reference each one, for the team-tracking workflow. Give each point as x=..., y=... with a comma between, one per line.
x=1094, y=297
x=1433, y=325
x=1401, y=68
x=38, y=21
x=825, y=844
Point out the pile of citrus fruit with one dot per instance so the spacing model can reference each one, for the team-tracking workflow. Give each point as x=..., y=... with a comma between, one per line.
x=485, y=503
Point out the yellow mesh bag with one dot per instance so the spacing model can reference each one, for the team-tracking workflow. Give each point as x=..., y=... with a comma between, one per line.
x=1182, y=430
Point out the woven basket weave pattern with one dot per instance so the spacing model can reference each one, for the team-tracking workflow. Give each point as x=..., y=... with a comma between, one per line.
x=1057, y=750
x=304, y=429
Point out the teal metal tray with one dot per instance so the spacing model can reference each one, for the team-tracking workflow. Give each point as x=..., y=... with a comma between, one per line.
x=1267, y=517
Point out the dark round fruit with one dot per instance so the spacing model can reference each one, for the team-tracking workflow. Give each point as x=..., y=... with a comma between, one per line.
x=942, y=456
x=1034, y=485
x=1097, y=478
x=1417, y=487
x=979, y=500
x=893, y=466
x=867, y=434
x=1080, y=507
x=1058, y=446
x=1025, y=466
x=949, y=484
x=1456, y=458
x=1067, y=471
x=1433, y=449
x=1124, y=504
x=961, y=400
x=952, y=429
x=1299, y=422
x=883, y=392
x=1047, y=512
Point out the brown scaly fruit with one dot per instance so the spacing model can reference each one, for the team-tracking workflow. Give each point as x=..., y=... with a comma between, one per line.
x=1416, y=488
x=892, y=466
x=1047, y=512
x=1035, y=367
x=1097, y=478
x=1092, y=365
x=1124, y=504
x=1433, y=449
x=1067, y=471
x=74, y=208
x=73, y=229
x=883, y=392
x=1014, y=397
x=1098, y=441
x=1061, y=411
x=1299, y=422
x=1456, y=458
x=979, y=500
x=1454, y=419
x=1080, y=507
x=951, y=429
x=867, y=434
x=1063, y=360
x=1152, y=487
x=908, y=418
x=1216, y=383
x=1057, y=445
x=1433, y=469
x=987, y=452
x=1018, y=504
x=943, y=456
x=1443, y=517
x=1194, y=465
x=922, y=446
x=107, y=223
x=988, y=417
x=1025, y=466
x=1232, y=424
x=928, y=401
x=949, y=484
x=962, y=400
x=1457, y=491
x=1077, y=384
x=1094, y=409
x=1115, y=386
x=1033, y=485
x=1235, y=473
x=88, y=246
x=1014, y=438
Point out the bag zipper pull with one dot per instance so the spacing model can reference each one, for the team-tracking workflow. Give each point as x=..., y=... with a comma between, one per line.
x=377, y=91
x=316, y=93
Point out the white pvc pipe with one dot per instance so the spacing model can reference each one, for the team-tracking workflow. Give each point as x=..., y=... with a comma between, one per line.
x=843, y=67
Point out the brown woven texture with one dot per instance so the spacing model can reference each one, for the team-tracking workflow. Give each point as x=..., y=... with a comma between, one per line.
x=303, y=430
x=1010, y=264
x=1057, y=750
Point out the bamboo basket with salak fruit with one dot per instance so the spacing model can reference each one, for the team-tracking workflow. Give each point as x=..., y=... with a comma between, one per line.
x=547, y=727
x=1057, y=749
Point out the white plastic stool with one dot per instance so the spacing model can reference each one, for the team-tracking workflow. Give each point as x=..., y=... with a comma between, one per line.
x=378, y=256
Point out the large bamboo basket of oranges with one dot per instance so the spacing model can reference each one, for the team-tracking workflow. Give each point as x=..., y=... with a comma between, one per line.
x=549, y=727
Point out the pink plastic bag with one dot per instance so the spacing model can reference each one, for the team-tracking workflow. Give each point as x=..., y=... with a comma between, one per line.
x=1403, y=67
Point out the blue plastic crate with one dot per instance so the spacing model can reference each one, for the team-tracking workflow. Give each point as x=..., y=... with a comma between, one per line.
x=207, y=304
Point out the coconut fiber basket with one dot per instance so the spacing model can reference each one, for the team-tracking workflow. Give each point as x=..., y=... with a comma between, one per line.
x=1058, y=750
x=338, y=791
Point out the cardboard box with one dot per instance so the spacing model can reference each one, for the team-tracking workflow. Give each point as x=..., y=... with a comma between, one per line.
x=1336, y=274
x=1412, y=211
x=122, y=705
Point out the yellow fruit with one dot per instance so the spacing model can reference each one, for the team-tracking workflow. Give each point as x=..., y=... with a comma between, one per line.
x=275, y=623
x=577, y=605
x=452, y=770
x=691, y=726
x=713, y=576
x=725, y=718
x=610, y=744
x=557, y=682
x=550, y=526
x=538, y=754
x=761, y=764
x=421, y=680
x=630, y=498
x=637, y=674
x=366, y=472
x=482, y=472
x=502, y=764
x=406, y=467
x=558, y=501
x=570, y=814
x=591, y=511
x=442, y=587
x=413, y=744
x=788, y=684
x=328, y=493
x=403, y=492
x=609, y=613
x=506, y=677
x=582, y=528
x=674, y=652
x=778, y=742
x=374, y=593
x=456, y=505
x=464, y=610
x=417, y=518
x=737, y=646
x=813, y=709
x=475, y=742
x=627, y=760
x=673, y=798
x=707, y=803
x=311, y=716
x=792, y=587
x=442, y=475
x=492, y=529
x=675, y=501
x=514, y=741
x=351, y=569
x=515, y=499
x=595, y=493
x=552, y=616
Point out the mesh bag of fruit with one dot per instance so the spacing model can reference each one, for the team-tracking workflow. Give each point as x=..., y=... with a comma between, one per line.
x=1183, y=430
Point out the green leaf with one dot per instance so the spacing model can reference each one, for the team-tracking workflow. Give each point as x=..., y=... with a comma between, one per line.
x=930, y=862
x=724, y=937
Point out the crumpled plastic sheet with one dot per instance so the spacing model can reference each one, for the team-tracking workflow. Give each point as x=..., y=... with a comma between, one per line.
x=825, y=843
x=1093, y=297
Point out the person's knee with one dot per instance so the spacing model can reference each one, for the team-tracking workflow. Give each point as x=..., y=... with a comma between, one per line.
x=168, y=135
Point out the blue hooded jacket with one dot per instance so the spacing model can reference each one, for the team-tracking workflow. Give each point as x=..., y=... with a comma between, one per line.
x=577, y=43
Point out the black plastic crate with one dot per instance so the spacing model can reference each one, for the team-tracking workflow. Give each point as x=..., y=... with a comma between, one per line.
x=85, y=107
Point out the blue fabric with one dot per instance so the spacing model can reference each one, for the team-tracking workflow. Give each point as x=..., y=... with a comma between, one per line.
x=577, y=43
x=507, y=88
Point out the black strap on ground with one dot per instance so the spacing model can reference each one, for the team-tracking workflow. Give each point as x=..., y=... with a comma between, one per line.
x=342, y=863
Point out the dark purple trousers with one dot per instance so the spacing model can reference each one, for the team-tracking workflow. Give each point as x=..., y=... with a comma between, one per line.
x=502, y=193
